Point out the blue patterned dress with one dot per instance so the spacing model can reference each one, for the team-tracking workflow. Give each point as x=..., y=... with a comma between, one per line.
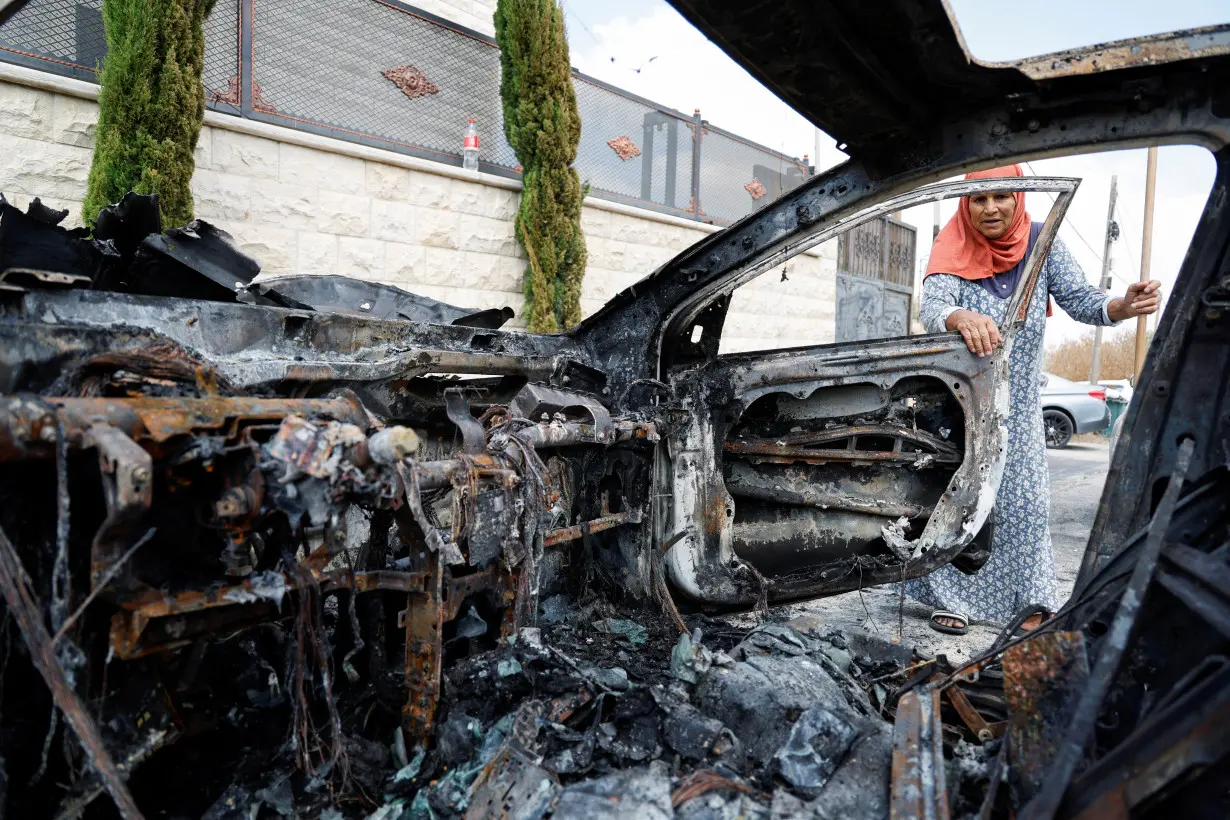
x=1021, y=569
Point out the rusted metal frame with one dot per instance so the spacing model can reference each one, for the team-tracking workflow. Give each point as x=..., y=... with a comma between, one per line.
x=777, y=453
x=1043, y=678
x=424, y=652
x=1189, y=734
x=919, y=788
x=977, y=724
x=157, y=605
x=606, y=522
x=28, y=424
x=127, y=478
x=233, y=607
x=899, y=433
x=28, y=615
x=459, y=587
x=435, y=475
x=1113, y=645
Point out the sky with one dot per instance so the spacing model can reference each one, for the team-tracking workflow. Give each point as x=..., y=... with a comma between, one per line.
x=646, y=47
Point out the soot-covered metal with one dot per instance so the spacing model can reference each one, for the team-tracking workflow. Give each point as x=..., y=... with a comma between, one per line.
x=315, y=547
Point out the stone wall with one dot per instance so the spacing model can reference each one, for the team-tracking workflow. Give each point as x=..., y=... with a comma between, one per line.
x=300, y=203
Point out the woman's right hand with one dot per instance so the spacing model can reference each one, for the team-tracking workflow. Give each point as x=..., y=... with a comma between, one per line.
x=980, y=332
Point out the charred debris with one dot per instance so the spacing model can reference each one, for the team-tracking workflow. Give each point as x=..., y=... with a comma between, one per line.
x=428, y=596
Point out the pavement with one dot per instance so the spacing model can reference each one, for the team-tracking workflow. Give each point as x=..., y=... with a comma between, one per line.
x=1077, y=475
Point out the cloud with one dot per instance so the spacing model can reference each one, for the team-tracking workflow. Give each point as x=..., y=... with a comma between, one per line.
x=688, y=72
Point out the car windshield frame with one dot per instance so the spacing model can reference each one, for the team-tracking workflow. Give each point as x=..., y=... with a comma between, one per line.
x=1064, y=189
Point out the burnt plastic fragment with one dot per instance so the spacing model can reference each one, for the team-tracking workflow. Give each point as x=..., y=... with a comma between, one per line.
x=128, y=222
x=34, y=240
x=354, y=297
x=197, y=261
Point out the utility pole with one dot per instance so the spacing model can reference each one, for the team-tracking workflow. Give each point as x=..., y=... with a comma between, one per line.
x=1112, y=233
x=1146, y=255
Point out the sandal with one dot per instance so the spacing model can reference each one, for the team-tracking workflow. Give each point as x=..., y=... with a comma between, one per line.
x=952, y=616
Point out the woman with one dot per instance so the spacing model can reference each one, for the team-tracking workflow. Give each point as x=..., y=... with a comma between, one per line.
x=976, y=263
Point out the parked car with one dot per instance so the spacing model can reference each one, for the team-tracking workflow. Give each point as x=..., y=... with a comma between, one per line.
x=1070, y=408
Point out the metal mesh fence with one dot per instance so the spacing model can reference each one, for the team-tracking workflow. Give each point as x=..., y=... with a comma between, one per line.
x=373, y=69
x=738, y=177
x=633, y=150
x=221, y=74
x=387, y=74
x=64, y=33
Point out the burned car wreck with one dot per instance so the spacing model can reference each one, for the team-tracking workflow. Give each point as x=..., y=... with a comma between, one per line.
x=316, y=547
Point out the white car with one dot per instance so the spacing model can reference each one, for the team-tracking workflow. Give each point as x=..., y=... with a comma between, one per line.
x=1069, y=408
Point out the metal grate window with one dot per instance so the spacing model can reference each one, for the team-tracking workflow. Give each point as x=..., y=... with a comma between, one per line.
x=738, y=177
x=221, y=74
x=323, y=62
x=383, y=73
x=632, y=149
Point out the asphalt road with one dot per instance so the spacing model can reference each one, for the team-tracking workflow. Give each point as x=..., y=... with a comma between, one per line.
x=1077, y=475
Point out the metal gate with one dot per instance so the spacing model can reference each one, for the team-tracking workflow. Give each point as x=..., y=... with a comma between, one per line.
x=875, y=280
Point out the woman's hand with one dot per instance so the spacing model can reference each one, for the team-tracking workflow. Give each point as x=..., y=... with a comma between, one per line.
x=980, y=332
x=1141, y=299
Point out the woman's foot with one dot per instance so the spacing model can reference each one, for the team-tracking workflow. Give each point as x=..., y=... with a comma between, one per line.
x=950, y=623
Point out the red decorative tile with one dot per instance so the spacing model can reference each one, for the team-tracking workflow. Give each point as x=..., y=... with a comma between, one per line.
x=625, y=147
x=412, y=82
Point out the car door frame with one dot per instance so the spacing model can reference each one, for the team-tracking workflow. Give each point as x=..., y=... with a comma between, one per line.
x=696, y=517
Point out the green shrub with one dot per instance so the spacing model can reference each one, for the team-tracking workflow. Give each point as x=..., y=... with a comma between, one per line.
x=151, y=105
x=542, y=125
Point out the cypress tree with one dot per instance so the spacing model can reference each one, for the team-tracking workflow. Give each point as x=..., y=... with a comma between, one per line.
x=542, y=125
x=151, y=105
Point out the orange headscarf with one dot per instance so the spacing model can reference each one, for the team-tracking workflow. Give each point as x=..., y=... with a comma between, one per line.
x=962, y=251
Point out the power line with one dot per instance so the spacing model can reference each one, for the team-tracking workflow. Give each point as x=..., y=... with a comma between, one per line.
x=568, y=10
x=1073, y=228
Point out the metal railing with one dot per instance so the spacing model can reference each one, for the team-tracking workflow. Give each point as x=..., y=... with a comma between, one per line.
x=387, y=74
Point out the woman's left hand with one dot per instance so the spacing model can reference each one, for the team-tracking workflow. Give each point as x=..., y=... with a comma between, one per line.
x=1141, y=299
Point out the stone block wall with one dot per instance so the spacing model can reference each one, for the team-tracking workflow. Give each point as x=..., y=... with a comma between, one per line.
x=300, y=203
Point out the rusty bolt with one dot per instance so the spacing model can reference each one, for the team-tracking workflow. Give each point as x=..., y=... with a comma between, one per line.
x=140, y=474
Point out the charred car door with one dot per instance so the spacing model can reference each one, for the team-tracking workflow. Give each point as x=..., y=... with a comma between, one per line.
x=812, y=471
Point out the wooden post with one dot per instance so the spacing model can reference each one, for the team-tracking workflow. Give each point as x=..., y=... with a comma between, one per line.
x=1146, y=254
